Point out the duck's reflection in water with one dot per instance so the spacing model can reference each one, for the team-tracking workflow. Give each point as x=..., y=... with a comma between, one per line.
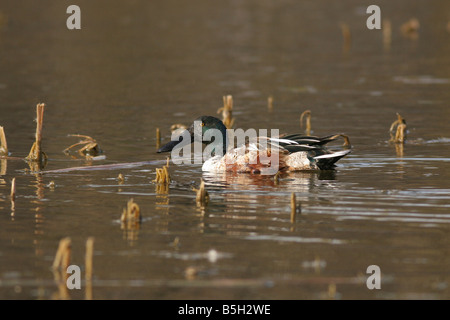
x=254, y=184
x=259, y=197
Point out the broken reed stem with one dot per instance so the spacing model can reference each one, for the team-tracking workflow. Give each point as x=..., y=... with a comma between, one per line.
x=166, y=174
x=62, y=257
x=400, y=133
x=307, y=114
x=13, y=196
x=158, y=138
x=89, y=257
x=191, y=273
x=89, y=267
x=131, y=215
x=276, y=178
x=202, y=197
x=270, y=103
x=13, y=189
x=176, y=242
x=36, y=153
x=410, y=28
x=3, y=144
x=346, y=139
x=227, y=111
x=90, y=148
x=293, y=207
x=162, y=174
x=332, y=291
x=347, y=36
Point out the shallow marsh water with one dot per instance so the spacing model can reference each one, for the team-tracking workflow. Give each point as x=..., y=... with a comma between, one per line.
x=141, y=65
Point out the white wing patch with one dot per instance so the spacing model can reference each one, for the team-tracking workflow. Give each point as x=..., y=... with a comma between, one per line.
x=333, y=155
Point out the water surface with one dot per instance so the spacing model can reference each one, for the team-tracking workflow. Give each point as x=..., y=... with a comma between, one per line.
x=141, y=65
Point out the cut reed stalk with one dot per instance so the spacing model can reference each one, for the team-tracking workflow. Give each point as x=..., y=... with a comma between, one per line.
x=400, y=131
x=307, y=115
x=346, y=35
x=410, y=28
x=276, y=178
x=13, y=196
x=89, y=267
x=202, y=197
x=158, y=138
x=3, y=144
x=90, y=148
x=13, y=189
x=332, y=291
x=162, y=174
x=89, y=258
x=59, y=268
x=131, y=215
x=3, y=166
x=293, y=207
x=191, y=272
x=175, y=243
x=36, y=153
x=346, y=140
x=270, y=103
x=227, y=111
x=63, y=255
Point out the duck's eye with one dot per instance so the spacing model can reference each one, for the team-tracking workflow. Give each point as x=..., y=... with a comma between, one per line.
x=203, y=124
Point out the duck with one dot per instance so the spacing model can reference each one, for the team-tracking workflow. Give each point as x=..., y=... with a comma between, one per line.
x=260, y=155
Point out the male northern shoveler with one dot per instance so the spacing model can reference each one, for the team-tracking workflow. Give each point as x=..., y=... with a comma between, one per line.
x=264, y=155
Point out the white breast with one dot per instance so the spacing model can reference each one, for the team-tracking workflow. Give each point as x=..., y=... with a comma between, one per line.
x=214, y=164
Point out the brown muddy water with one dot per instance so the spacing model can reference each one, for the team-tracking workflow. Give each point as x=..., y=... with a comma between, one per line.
x=138, y=65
